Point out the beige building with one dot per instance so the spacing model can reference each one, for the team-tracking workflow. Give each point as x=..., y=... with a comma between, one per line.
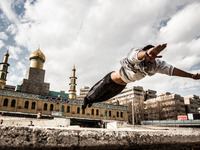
x=128, y=95
x=192, y=103
x=83, y=93
x=12, y=101
x=165, y=107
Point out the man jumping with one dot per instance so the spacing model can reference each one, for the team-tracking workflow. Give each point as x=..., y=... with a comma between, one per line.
x=138, y=64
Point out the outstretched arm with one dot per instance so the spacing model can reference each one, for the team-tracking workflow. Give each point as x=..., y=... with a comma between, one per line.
x=153, y=52
x=181, y=73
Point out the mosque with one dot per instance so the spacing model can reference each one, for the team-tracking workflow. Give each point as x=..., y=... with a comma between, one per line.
x=33, y=96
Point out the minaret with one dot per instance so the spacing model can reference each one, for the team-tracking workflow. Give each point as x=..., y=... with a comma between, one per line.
x=72, y=90
x=4, y=70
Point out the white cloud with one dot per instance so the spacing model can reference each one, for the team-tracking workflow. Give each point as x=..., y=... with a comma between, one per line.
x=12, y=29
x=1, y=44
x=14, y=52
x=20, y=65
x=13, y=79
x=6, y=7
x=95, y=35
x=183, y=26
x=3, y=36
x=188, y=62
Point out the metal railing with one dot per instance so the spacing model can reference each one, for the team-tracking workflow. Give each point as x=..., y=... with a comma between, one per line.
x=172, y=123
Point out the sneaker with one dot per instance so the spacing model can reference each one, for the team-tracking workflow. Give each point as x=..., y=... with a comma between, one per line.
x=90, y=105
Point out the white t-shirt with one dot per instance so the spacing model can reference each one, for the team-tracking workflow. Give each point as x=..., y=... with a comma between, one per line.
x=134, y=69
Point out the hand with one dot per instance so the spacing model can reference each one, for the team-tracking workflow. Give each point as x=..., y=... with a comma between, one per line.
x=196, y=76
x=153, y=52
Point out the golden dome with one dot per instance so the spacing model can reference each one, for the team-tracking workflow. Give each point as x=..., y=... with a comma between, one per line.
x=38, y=55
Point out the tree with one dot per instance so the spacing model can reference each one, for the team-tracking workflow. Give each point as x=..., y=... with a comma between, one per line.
x=138, y=110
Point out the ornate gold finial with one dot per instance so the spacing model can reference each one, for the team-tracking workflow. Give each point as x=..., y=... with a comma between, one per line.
x=7, y=52
x=74, y=69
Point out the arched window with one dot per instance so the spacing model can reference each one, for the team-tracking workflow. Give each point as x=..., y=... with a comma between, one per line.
x=45, y=106
x=33, y=105
x=5, y=103
x=26, y=104
x=68, y=109
x=92, y=112
x=97, y=112
x=62, y=108
x=117, y=114
x=51, y=107
x=78, y=110
x=121, y=114
x=13, y=103
x=110, y=113
x=105, y=113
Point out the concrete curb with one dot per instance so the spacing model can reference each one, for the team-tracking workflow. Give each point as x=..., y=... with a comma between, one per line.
x=12, y=137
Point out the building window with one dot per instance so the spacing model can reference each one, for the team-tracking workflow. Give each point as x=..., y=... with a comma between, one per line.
x=78, y=110
x=51, y=107
x=5, y=103
x=62, y=108
x=121, y=114
x=117, y=114
x=110, y=113
x=97, y=112
x=68, y=109
x=33, y=105
x=45, y=106
x=83, y=111
x=92, y=111
x=26, y=104
x=13, y=103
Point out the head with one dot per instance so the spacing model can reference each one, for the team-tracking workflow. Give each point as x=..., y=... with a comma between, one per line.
x=148, y=60
x=147, y=47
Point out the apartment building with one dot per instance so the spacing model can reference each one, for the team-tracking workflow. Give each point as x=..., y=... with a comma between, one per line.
x=83, y=93
x=165, y=107
x=192, y=103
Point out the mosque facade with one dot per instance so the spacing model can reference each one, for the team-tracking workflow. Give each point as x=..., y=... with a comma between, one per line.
x=34, y=96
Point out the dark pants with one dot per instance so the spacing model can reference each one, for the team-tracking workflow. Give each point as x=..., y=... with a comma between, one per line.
x=103, y=90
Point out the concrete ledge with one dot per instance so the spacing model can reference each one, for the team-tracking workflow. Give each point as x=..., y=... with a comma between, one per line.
x=12, y=137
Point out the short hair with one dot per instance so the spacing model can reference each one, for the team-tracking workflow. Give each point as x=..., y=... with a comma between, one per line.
x=147, y=47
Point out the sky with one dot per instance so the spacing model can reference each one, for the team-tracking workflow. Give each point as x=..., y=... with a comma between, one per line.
x=94, y=35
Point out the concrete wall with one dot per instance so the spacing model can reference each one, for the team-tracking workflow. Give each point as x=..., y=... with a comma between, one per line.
x=12, y=137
